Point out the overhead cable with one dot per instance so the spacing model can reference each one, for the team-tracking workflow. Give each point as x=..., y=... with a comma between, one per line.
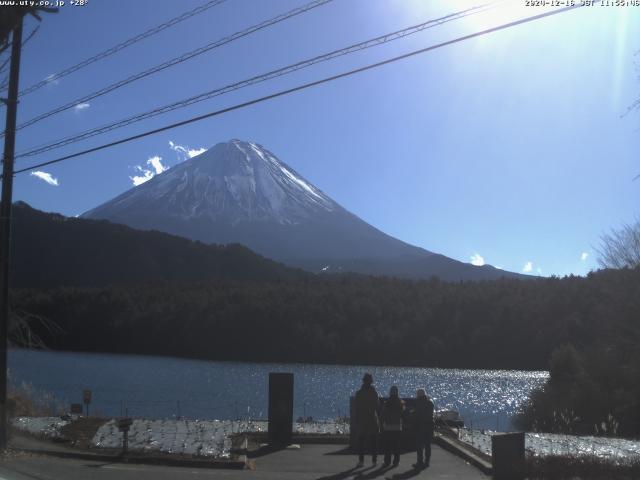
x=251, y=81
x=121, y=46
x=303, y=87
x=5, y=82
x=175, y=61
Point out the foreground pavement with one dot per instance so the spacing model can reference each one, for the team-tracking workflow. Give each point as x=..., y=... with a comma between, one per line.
x=309, y=462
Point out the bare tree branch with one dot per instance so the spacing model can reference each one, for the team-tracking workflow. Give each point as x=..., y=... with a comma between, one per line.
x=620, y=248
x=22, y=327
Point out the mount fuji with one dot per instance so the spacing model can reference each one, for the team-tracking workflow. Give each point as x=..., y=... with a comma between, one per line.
x=240, y=192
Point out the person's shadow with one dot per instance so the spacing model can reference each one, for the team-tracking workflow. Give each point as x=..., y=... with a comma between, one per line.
x=358, y=473
x=408, y=474
x=381, y=470
x=345, y=474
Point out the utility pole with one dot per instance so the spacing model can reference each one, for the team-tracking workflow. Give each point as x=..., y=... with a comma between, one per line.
x=10, y=20
x=5, y=217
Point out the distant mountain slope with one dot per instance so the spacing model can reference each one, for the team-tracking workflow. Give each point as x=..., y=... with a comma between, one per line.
x=239, y=192
x=411, y=267
x=51, y=250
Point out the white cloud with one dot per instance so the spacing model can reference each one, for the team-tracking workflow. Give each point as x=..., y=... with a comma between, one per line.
x=527, y=267
x=156, y=163
x=51, y=79
x=81, y=106
x=584, y=256
x=184, y=152
x=196, y=151
x=154, y=166
x=477, y=260
x=47, y=177
x=146, y=174
x=140, y=179
x=539, y=270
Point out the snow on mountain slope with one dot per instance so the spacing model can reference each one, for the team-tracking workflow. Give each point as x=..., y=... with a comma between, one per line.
x=239, y=192
x=237, y=180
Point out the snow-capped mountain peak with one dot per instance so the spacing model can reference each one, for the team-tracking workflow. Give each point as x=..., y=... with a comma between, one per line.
x=236, y=181
x=240, y=192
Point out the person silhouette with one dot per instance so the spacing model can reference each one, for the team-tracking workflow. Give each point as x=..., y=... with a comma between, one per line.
x=392, y=427
x=366, y=421
x=424, y=428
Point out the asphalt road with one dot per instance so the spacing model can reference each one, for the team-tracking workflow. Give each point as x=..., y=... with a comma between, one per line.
x=310, y=462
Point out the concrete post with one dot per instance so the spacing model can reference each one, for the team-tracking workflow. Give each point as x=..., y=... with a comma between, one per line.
x=280, y=408
x=507, y=455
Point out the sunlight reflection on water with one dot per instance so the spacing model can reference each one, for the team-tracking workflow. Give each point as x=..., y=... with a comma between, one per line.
x=162, y=387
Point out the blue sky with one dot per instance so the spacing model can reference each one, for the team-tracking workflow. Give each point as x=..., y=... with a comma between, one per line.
x=511, y=147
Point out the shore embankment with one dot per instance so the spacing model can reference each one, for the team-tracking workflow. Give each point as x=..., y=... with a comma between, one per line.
x=214, y=438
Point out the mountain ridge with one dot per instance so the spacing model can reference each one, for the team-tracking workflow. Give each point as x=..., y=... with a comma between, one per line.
x=240, y=192
x=51, y=250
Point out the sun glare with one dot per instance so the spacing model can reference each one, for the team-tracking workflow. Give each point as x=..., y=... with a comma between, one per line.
x=480, y=14
x=493, y=13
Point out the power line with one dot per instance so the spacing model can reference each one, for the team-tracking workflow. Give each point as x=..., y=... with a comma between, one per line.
x=5, y=82
x=4, y=65
x=30, y=36
x=304, y=86
x=253, y=80
x=177, y=60
x=122, y=45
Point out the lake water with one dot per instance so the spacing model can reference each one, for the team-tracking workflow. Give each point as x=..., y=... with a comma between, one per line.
x=164, y=387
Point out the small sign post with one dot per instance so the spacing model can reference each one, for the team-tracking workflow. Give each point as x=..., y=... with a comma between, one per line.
x=124, y=424
x=86, y=397
x=77, y=408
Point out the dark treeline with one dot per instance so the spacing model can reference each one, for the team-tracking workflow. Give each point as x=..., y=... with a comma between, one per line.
x=49, y=250
x=508, y=324
x=592, y=390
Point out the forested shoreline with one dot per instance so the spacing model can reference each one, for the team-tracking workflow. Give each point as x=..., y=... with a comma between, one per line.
x=585, y=330
x=504, y=324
